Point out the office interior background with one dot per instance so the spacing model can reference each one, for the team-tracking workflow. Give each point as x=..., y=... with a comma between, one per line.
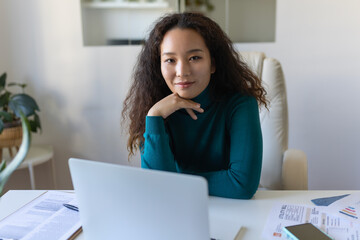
x=80, y=89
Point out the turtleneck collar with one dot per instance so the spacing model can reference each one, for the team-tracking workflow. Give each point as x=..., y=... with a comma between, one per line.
x=204, y=98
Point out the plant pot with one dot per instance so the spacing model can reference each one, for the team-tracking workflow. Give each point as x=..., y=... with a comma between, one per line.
x=10, y=137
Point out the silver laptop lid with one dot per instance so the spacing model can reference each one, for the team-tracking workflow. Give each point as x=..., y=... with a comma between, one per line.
x=122, y=202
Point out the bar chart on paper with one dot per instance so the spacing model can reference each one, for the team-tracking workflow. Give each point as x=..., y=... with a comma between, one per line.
x=349, y=211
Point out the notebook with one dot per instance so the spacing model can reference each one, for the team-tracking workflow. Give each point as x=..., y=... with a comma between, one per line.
x=123, y=202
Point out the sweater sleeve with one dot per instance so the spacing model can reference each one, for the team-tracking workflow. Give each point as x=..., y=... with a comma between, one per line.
x=242, y=177
x=156, y=152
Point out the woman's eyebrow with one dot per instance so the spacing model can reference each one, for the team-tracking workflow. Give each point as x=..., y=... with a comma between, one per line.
x=195, y=50
x=190, y=51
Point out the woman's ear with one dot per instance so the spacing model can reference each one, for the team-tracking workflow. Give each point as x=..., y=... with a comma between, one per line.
x=213, y=66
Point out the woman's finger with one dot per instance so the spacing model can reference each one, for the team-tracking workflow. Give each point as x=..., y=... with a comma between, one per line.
x=191, y=113
x=172, y=103
x=191, y=105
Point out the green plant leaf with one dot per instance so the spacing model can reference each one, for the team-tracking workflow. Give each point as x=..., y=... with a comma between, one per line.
x=35, y=123
x=6, y=116
x=22, y=85
x=23, y=102
x=2, y=81
x=4, y=99
x=2, y=165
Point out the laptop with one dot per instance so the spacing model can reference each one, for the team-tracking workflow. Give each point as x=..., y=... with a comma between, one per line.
x=123, y=202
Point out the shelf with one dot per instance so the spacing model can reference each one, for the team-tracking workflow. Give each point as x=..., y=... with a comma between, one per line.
x=127, y=5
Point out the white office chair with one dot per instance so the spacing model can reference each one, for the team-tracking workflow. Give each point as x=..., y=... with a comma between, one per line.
x=282, y=168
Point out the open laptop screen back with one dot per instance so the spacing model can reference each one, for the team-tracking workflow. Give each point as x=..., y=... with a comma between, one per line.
x=121, y=202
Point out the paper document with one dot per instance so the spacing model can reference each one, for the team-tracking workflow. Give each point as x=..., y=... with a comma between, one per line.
x=347, y=207
x=283, y=214
x=43, y=218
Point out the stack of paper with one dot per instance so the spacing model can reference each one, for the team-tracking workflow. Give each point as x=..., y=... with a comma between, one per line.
x=340, y=220
x=43, y=218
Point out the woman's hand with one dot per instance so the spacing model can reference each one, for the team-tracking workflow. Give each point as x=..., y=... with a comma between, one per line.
x=170, y=104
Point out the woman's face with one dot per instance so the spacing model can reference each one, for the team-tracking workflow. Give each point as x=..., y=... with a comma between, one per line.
x=185, y=62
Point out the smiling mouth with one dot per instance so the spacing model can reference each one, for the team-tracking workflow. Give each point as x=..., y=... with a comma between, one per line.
x=184, y=84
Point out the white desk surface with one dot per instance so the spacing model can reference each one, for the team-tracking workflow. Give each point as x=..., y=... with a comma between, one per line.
x=226, y=215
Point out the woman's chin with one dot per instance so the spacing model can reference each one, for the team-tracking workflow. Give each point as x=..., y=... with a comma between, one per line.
x=187, y=94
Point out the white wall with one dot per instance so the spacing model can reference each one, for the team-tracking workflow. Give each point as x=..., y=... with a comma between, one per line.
x=80, y=89
x=317, y=43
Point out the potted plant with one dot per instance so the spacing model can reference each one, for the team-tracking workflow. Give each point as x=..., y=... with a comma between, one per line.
x=6, y=171
x=15, y=111
x=10, y=104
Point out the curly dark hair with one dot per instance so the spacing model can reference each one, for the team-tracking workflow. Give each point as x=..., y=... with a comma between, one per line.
x=149, y=87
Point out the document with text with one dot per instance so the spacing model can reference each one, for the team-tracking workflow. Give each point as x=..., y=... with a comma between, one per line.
x=283, y=214
x=43, y=218
x=347, y=207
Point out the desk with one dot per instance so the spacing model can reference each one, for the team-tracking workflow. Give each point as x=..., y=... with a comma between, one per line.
x=226, y=215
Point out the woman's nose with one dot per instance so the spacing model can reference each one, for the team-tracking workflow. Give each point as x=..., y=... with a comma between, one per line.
x=182, y=69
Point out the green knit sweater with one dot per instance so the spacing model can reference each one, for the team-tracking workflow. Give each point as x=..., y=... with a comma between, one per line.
x=224, y=144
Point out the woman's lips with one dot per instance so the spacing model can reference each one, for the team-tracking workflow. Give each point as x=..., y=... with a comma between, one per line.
x=184, y=84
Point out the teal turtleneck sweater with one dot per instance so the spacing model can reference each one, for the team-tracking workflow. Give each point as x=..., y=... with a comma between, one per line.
x=224, y=144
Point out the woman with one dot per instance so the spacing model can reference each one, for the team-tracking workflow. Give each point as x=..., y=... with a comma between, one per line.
x=193, y=106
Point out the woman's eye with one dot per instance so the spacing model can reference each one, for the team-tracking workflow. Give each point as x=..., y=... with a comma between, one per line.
x=169, y=60
x=195, y=58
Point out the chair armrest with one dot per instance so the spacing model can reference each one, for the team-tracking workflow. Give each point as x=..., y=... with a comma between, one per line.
x=295, y=170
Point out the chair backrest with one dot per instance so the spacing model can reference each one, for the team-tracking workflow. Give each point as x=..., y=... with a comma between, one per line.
x=274, y=122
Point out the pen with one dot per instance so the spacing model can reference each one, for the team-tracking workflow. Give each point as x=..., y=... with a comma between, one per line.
x=72, y=207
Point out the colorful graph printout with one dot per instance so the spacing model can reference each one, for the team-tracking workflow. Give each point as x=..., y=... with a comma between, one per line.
x=347, y=207
x=349, y=211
